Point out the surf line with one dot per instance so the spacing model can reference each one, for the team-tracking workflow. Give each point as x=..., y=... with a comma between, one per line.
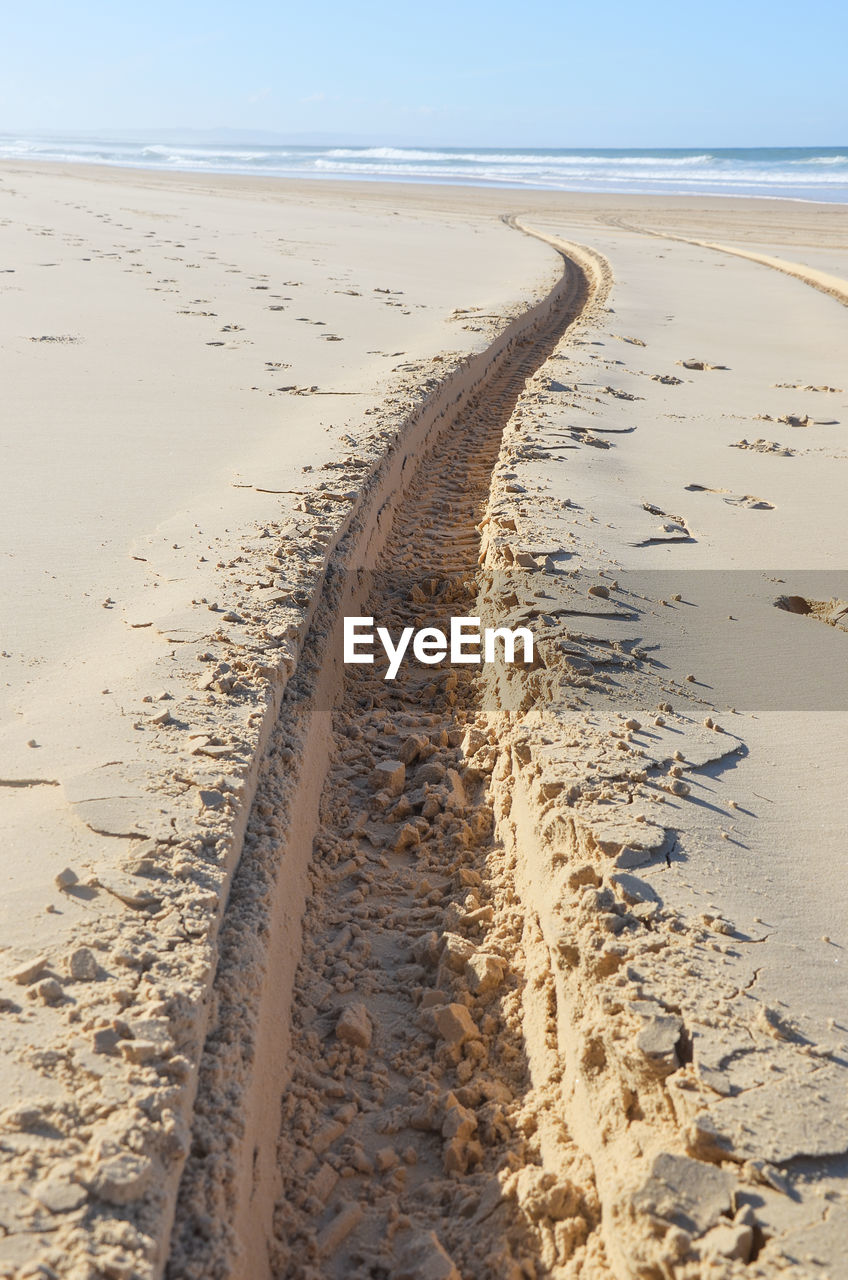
x=467, y=643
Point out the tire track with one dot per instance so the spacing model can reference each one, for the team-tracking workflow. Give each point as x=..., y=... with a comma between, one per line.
x=399, y=887
x=824, y=281
x=411, y=1145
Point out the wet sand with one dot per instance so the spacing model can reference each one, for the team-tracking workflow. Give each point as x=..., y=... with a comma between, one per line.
x=551, y=978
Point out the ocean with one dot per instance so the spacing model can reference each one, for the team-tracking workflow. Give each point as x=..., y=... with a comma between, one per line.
x=797, y=173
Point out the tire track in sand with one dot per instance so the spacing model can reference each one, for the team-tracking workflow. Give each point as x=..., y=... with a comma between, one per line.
x=414, y=1141
x=824, y=281
x=409, y=1142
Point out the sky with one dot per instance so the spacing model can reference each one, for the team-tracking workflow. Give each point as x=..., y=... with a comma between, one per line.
x=532, y=73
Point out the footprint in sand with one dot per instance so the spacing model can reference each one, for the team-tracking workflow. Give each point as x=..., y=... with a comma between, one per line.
x=800, y=386
x=585, y=436
x=702, y=365
x=833, y=612
x=734, y=499
x=764, y=446
x=798, y=420
x=668, y=379
x=66, y=338
x=672, y=529
x=619, y=394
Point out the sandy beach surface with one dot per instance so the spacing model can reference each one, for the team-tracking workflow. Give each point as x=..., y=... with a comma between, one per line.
x=485, y=972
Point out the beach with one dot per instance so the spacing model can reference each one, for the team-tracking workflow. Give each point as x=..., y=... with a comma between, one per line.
x=485, y=971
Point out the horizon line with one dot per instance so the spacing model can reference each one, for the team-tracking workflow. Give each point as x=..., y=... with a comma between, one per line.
x=218, y=133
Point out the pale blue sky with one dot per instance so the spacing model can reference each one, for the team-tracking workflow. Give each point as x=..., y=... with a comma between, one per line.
x=547, y=73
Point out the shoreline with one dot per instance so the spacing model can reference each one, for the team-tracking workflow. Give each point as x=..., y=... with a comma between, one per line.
x=344, y=181
x=155, y=902
x=616, y=186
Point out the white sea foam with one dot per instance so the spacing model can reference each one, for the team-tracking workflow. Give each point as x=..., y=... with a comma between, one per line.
x=802, y=173
x=821, y=160
x=486, y=157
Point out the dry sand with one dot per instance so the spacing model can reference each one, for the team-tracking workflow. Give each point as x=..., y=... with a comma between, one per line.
x=569, y=997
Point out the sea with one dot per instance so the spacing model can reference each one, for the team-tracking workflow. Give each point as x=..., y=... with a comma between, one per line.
x=792, y=173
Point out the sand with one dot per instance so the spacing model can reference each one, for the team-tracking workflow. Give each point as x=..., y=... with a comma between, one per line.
x=569, y=959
